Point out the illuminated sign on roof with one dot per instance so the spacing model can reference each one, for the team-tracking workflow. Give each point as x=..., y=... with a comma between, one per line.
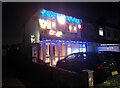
x=52, y=14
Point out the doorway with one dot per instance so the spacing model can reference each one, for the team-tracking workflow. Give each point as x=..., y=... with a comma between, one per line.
x=54, y=53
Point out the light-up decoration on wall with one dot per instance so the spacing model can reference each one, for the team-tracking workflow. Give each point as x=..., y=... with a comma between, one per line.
x=52, y=14
x=47, y=24
x=58, y=33
x=51, y=32
x=55, y=19
x=61, y=19
x=43, y=23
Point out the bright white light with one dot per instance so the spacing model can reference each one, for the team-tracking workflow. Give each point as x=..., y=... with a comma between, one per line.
x=61, y=19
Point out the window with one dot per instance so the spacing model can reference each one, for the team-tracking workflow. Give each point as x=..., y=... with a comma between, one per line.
x=101, y=31
x=108, y=33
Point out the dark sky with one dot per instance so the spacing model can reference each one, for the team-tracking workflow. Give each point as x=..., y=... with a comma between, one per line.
x=14, y=15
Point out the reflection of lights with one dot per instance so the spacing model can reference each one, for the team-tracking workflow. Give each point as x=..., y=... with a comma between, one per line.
x=70, y=27
x=75, y=51
x=59, y=33
x=51, y=32
x=61, y=19
x=79, y=26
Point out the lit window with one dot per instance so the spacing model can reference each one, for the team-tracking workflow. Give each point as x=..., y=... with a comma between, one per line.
x=101, y=31
x=75, y=28
x=70, y=27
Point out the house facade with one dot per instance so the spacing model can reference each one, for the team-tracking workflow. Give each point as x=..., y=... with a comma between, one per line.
x=55, y=35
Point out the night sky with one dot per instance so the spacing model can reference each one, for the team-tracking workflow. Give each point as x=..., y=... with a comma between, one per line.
x=14, y=15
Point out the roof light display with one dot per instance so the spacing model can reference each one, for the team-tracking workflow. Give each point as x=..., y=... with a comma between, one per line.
x=52, y=14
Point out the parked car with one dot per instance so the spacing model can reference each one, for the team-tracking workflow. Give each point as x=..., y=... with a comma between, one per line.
x=101, y=63
x=115, y=56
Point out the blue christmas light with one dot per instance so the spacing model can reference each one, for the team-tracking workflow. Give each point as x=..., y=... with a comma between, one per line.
x=70, y=41
x=55, y=15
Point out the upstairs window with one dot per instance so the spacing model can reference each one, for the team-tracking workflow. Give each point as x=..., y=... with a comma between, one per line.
x=101, y=31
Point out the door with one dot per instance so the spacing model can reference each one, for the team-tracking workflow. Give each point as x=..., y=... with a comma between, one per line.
x=54, y=53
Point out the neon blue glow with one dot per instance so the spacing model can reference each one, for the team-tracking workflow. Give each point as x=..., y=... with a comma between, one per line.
x=79, y=42
x=52, y=14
